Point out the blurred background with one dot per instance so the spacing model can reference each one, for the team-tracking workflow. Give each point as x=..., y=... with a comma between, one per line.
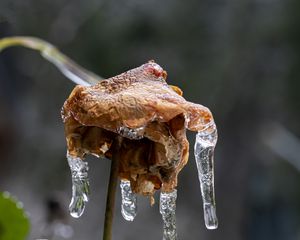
x=239, y=58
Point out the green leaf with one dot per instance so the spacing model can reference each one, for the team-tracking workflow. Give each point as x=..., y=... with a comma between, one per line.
x=14, y=223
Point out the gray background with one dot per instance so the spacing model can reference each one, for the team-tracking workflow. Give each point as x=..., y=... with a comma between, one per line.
x=240, y=58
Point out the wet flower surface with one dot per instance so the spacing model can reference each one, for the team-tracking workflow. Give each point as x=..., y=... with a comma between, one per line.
x=152, y=117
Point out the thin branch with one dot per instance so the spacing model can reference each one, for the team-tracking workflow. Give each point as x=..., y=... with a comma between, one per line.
x=112, y=186
x=68, y=67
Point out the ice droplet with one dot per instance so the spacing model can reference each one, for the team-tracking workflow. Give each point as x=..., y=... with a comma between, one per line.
x=129, y=199
x=80, y=185
x=167, y=209
x=132, y=133
x=204, y=154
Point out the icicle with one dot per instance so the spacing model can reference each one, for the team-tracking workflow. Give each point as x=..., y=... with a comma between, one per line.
x=129, y=207
x=80, y=185
x=204, y=151
x=69, y=68
x=167, y=209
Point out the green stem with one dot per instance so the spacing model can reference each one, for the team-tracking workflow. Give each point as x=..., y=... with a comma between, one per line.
x=67, y=66
x=112, y=187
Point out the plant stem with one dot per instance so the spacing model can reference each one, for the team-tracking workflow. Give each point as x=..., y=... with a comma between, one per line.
x=67, y=66
x=111, y=192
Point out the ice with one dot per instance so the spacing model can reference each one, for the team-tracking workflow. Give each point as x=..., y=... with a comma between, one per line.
x=129, y=199
x=68, y=67
x=132, y=133
x=80, y=185
x=167, y=209
x=204, y=154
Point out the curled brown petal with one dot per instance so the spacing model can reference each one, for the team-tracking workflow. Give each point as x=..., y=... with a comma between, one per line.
x=151, y=115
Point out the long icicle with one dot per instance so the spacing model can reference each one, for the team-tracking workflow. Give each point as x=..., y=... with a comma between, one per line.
x=167, y=208
x=80, y=185
x=68, y=67
x=129, y=199
x=204, y=154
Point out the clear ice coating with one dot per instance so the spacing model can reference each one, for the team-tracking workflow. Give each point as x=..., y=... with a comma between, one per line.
x=132, y=133
x=204, y=154
x=80, y=185
x=167, y=208
x=69, y=68
x=129, y=199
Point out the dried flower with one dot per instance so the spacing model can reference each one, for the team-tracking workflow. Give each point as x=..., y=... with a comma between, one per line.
x=151, y=115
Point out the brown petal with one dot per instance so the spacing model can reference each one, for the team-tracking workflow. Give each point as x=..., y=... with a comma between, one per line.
x=151, y=116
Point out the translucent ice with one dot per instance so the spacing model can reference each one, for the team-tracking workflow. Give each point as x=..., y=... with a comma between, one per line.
x=129, y=199
x=204, y=152
x=167, y=209
x=132, y=133
x=69, y=68
x=80, y=185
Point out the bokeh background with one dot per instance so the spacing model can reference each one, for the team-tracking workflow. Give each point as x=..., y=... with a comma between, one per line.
x=240, y=58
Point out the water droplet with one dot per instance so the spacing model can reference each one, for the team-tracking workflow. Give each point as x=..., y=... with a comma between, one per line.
x=167, y=209
x=129, y=199
x=132, y=133
x=80, y=185
x=204, y=154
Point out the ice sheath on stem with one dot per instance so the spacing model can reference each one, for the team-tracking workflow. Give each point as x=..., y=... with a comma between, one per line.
x=68, y=67
x=204, y=154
